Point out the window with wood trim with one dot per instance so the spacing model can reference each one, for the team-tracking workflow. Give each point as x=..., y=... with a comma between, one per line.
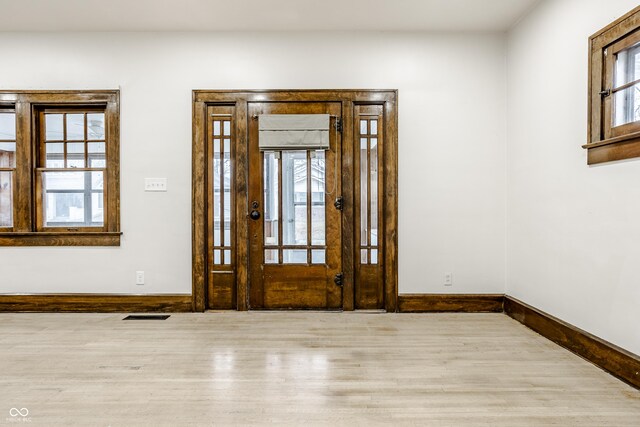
x=71, y=169
x=614, y=91
x=59, y=168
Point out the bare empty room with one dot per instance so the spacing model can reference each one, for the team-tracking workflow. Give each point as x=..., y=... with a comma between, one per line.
x=355, y=212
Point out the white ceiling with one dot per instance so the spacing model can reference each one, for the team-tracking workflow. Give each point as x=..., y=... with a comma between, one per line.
x=261, y=15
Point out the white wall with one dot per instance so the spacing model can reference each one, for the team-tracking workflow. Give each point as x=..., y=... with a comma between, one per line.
x=573, y=230
x=452, y=100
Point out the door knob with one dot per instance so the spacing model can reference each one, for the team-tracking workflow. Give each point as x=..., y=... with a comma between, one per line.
x=254, y=215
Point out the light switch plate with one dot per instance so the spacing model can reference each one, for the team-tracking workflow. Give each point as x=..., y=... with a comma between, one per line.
x=155, y=184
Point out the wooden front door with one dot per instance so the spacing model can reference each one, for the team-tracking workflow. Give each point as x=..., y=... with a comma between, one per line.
x=295, y=230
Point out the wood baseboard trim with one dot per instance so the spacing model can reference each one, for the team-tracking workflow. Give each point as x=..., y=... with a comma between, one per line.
x=618, y=362
x=450, y=303
x=96, y=303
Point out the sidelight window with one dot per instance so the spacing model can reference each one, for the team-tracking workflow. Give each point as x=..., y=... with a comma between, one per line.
x=222, y=201
x=368, y=178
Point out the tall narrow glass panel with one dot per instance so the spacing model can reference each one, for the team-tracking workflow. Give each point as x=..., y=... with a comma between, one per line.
x=270, y=185
x=318, y=185
x=294, y=197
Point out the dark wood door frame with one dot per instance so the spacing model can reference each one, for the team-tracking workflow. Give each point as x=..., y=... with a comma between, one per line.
x=239, y=99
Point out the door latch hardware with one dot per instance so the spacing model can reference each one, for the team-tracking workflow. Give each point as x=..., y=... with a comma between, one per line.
x=338, y=124
x=605, y=93
x=339, y=203
x=337, y=279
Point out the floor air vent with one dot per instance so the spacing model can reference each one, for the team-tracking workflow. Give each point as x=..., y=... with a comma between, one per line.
x=147, y=317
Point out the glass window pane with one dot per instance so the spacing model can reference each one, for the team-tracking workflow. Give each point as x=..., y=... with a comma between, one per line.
x=55, y=155
x=227, y=257
x=95, y=126
x=627, y=66
x=227, y=128
x=96, y=147
x=7, y=155
x=627, y=105
x=216, y=128
x=97, y=158
x=75, y=148
x=217, y=257
x=75, y=155
x=53, y=127
x=294, y=256
x=374, y=256
x=8, y=126
x=318, y=182
x=373, y=155
x=374, y=127
x=294, y=197
x=63, y=180
x=364, y=181
x=6, y=199
x=97, y=208
x=75, y=127
x=227, y=218
x=63, y=209
x=363, y=256
x=217, y=192
x=97, y=180
x=271, y=256
x=318, y=256
x=73, y=199
x=270, y=185
x=363, y=127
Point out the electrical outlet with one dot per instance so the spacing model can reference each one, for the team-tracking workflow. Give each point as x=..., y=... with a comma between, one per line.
x=448, y=279
x=155, y=184
x=139, y=277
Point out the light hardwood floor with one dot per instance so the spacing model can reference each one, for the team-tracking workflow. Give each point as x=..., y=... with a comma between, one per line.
x=299, y=368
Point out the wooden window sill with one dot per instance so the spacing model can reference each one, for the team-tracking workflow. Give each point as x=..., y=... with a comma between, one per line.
x=612, y=149
x=60, y=238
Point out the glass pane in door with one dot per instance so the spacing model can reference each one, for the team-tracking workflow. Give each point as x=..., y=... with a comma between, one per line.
x=294, y=197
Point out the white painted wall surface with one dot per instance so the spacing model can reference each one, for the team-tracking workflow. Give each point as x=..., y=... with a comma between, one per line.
x=573, y=230
x=452, y=135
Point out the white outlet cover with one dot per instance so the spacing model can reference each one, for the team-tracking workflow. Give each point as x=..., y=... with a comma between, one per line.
x=155, y=184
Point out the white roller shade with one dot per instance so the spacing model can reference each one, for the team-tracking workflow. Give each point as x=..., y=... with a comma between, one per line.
x=293, y=131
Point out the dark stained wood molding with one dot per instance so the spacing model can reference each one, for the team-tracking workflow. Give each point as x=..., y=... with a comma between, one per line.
x=607, y=356
x=450, y=303
x=60, y=239
x=102, y=303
